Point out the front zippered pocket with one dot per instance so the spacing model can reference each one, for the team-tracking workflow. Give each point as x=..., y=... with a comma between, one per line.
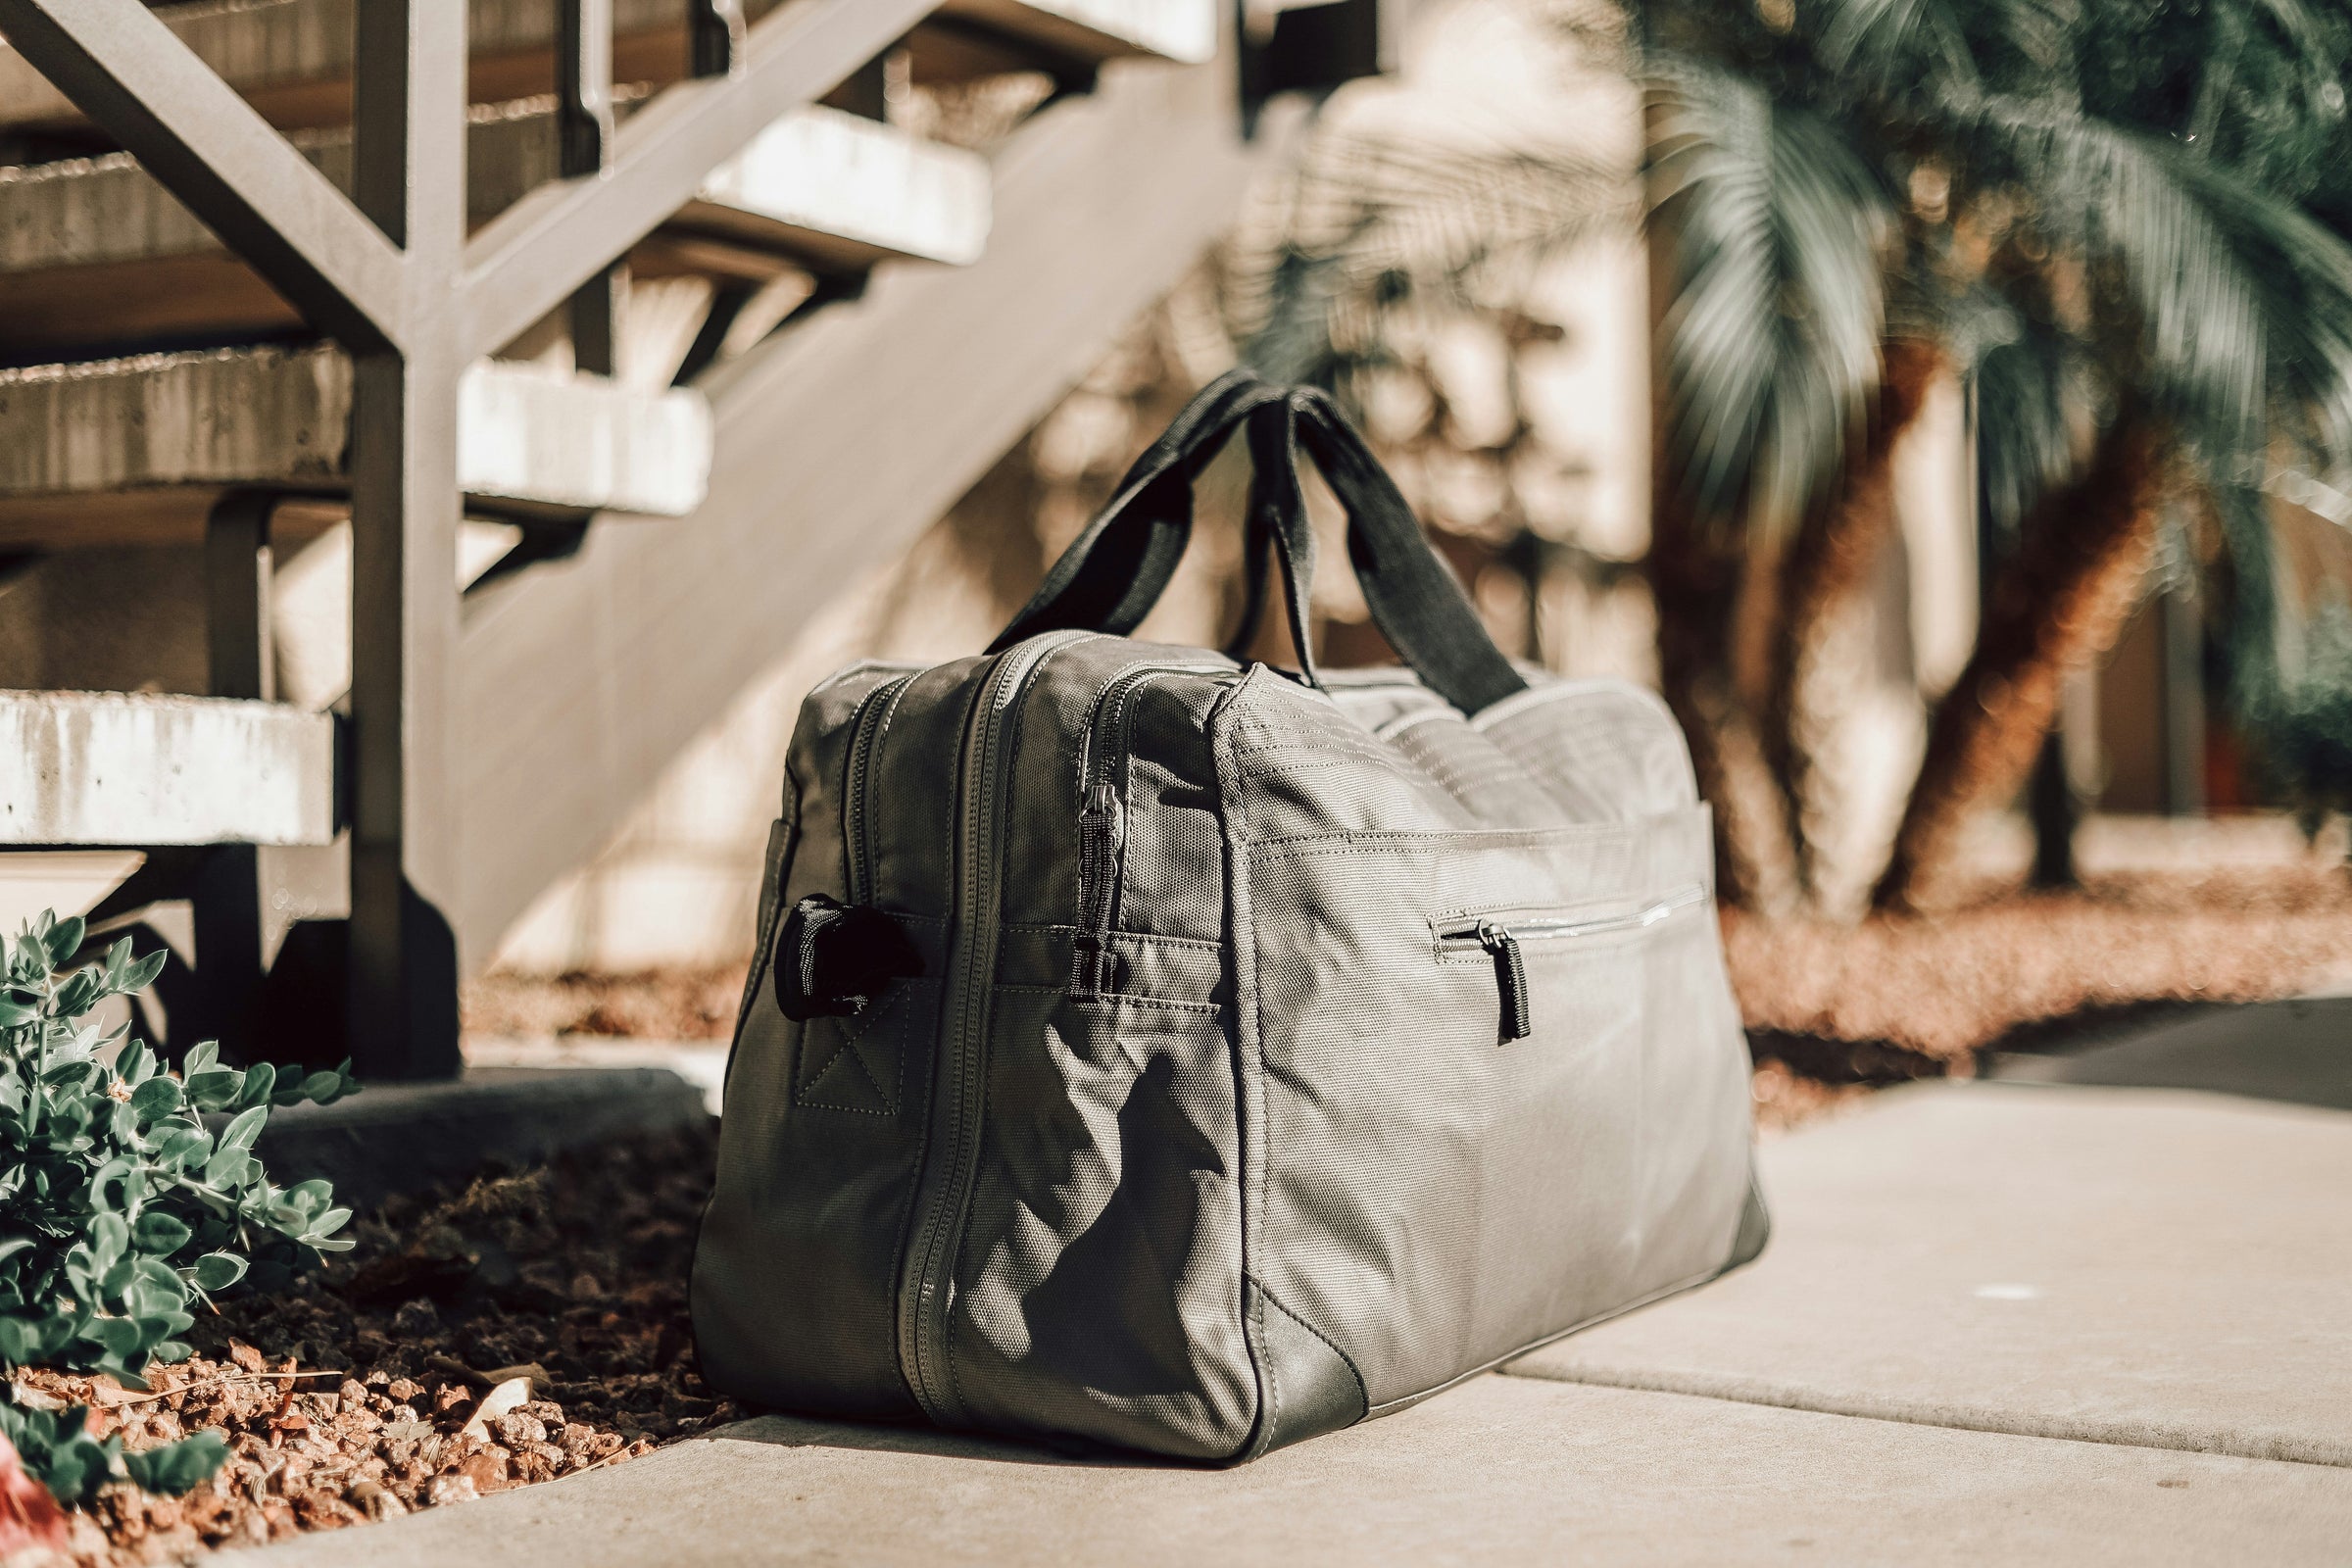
x=1102, y=820
x=857, y=811
x=1503, y=936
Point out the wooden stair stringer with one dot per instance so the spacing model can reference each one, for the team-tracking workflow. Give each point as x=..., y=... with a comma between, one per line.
x=837, y=444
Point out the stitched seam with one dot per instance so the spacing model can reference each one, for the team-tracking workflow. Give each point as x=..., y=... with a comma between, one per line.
x=892, y=1095
x=1362, y=1392
x=1628, y=831
x=1127, y=997
x=1144, y=938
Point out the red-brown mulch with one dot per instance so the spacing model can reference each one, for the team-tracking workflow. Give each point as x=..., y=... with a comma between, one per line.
x=1892, y=998
x=684, y=1003
x=572, y=1274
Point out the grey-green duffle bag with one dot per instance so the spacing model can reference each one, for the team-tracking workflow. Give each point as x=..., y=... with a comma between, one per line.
x=1183, y=1054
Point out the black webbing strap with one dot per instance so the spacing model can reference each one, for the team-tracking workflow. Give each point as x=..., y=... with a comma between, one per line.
x=1116, y=570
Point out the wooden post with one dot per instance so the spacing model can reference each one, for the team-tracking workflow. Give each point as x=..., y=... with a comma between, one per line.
x=225, y=892
x=410, y=163
x=584, y=117
x=716, y=29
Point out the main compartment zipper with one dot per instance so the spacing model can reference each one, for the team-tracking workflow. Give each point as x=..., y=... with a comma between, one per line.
x=1502, y=938
x=952, y=1133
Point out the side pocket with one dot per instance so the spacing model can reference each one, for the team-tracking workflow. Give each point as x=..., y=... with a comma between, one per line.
x=783, y=837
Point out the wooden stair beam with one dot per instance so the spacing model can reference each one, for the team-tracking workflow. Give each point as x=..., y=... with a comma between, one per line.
x=839, y=441
x=157, y=438
x=981, y=37
x=291, y=59
x=96, y=252
x=105, y=768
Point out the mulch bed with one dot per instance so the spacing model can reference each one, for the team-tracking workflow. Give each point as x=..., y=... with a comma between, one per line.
x=1889, y=1000
x=573, y=1274
x=673, y=1003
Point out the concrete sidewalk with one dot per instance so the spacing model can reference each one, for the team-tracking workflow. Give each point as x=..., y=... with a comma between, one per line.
x=1998, y=1322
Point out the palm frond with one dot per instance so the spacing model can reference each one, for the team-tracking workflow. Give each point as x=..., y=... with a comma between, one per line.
x=1771, y=340
x=1369, y=219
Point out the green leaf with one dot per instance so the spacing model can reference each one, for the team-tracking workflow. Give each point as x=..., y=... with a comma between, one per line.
x=157, y=1098
x=78, y=995
x=109, y=1235
x=119, y=1336
x=160, y=1234
x=140, y=975
x=135, y=1065
x=240, y=1133
x=179, y=1467
x=214, y=1087
x=228, y=1170
x=201, y=1055
x=16, y=1015
x=65, y=940
x=218, y=1271
x=260, y=1079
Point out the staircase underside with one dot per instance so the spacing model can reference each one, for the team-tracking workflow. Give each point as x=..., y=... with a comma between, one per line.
x=836, y=443
x=292, y=59
x=96, y=252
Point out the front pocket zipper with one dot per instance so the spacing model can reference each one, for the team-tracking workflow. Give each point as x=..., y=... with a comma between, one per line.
x=1502, y=936
x=1103, y=822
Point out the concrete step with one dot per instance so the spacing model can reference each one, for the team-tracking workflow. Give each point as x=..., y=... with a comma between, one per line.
x=97, y=253
x=404, y=1137
x=1498, y=1471
x=2142, y=1266
x=138, y=449
x=292, y=58
x=100, y=767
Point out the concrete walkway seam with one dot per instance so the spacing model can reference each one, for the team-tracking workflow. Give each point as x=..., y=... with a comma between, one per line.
x=2292, y=1447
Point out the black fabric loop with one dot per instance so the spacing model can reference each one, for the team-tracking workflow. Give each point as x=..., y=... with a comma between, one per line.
x=1116, y=570
x=833, y=959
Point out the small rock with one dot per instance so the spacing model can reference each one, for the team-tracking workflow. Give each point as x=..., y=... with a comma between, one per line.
x=403, y=1391
x=517, y=1427
x=245, y=1356
x=487, y=1470
x=446, y=1490
x=416, y=1319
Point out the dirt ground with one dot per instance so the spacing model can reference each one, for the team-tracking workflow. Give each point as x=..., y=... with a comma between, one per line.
x=346, y=1399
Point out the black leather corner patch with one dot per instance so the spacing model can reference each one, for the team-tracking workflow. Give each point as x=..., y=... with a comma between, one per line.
x=1310, y=1387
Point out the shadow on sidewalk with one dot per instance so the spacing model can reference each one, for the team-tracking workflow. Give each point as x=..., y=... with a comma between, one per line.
x=2297, y=1052
x=806, y=1432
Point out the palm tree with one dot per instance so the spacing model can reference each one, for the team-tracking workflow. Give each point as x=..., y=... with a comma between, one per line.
x=2091, y=209
x=2142, y=283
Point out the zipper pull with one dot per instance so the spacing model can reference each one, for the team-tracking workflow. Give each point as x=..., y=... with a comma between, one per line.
x=1102, y=834
x=1510, y=978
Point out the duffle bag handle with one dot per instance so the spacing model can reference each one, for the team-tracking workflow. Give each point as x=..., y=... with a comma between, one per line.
x=1119, y=564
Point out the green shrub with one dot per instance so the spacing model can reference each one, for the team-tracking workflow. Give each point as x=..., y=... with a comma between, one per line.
x=120, y=1204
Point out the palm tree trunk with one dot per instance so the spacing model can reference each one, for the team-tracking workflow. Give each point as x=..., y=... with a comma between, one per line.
x=2059, y=602
x=1694, y=579
x=1826, y=563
